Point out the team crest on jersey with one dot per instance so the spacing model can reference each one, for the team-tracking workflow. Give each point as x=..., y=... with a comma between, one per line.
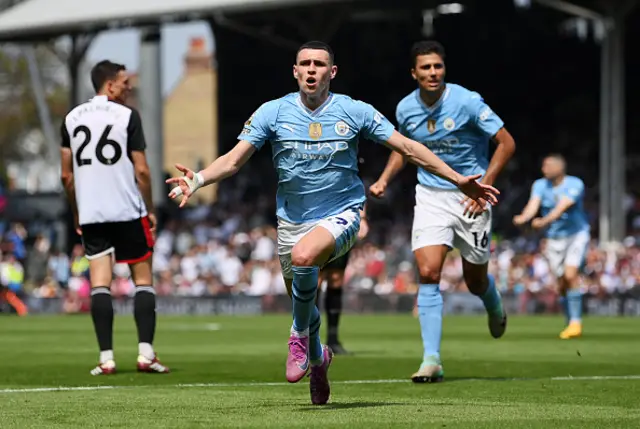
x=449, y=124
x=315, y=130
x=341, y=128
x=431, y=126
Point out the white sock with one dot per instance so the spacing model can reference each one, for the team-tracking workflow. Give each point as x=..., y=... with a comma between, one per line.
x=106, y=355
x=146, y=350
x=299, y=334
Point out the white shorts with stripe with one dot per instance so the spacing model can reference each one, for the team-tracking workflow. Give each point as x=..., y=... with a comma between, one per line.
x=344, y=227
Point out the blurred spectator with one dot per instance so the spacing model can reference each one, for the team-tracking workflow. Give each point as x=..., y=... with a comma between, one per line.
x=230, y=248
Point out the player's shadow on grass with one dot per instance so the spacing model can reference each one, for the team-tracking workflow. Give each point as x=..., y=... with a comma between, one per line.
x=350, y=405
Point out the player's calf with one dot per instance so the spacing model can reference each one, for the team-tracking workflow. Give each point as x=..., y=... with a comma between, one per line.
x=430, y=304
x=102, y=316
x=305, y=283
x=311, y=251
x=144, y=310
x=573, y=304
x=483, y=285
x=430, y=316
x=333, y=306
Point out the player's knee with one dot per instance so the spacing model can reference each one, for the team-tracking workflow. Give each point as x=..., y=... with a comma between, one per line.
x=335, y=280
x=302, y=256
x=142, y=273
x=428, y=274
x=570, y=274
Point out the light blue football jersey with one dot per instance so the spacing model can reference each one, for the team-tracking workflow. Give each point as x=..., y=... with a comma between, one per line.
x=457, y=128
x=316, y=153
x=572, y=221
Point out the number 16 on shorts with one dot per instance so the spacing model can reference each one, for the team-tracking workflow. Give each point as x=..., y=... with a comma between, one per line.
x=481, y=239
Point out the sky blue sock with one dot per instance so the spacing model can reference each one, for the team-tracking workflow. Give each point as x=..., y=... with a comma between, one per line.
x=491, y=298
x=430, y=316
x=315, y=346
x=305, y=286
x=574, y=303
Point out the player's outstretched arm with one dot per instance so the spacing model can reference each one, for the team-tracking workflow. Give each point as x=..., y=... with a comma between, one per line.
x=420, y=155
x=395, y=163
x=563, y=205
x=224, y=166
x=529, y=211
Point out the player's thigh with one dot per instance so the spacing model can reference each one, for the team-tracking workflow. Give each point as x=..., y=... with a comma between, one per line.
x=555, y=251
x=331, y=238
x=142, y=272
x=432, y=220
x=314, y=248
x=98, y=249
x=473, y=239
x=333, y=271
x=575, y=255
x=430, y=260
x=288, y=235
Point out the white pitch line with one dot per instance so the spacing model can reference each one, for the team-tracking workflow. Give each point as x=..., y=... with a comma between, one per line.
x=272, y=384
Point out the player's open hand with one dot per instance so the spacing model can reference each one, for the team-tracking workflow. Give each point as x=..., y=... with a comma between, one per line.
x=76, y=224
x=472, y=208
x=538, y=223
x=477, y=191
x=153, y=222
x=364, y=229
x=519, y=220
x=378, y=188
x=185, y=185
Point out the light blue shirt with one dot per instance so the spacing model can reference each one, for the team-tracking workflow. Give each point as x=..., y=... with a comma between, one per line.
x=457, y=128
x=573, y=220
x=315, y=153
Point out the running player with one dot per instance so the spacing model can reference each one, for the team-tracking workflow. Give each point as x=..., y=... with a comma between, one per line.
x=456, y=125
x=107, y=182
x=314, y=139
x=559, y=197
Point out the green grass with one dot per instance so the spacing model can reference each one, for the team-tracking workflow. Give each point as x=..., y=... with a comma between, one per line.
x=519, y=381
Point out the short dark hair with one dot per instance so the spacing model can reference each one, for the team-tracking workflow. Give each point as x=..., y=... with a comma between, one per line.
x=426, y=47
x=315, y=44
x=104, y=71
x=558, y=156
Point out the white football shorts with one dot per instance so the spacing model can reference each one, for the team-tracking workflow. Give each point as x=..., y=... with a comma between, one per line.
x=344, y=227
x=438, y=220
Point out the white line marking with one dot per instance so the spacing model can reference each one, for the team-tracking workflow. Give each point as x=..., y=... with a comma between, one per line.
x=187, y=327
x=275, y=384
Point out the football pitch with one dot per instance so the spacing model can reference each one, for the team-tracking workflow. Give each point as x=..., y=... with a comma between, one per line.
x=229, y=372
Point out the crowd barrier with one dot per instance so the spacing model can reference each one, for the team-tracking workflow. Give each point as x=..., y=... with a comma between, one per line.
x=620, y=304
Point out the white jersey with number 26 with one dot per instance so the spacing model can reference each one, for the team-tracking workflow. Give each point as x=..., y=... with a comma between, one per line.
x=101, y=135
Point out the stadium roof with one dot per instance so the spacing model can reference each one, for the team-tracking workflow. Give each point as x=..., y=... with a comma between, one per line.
x=42, y=19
